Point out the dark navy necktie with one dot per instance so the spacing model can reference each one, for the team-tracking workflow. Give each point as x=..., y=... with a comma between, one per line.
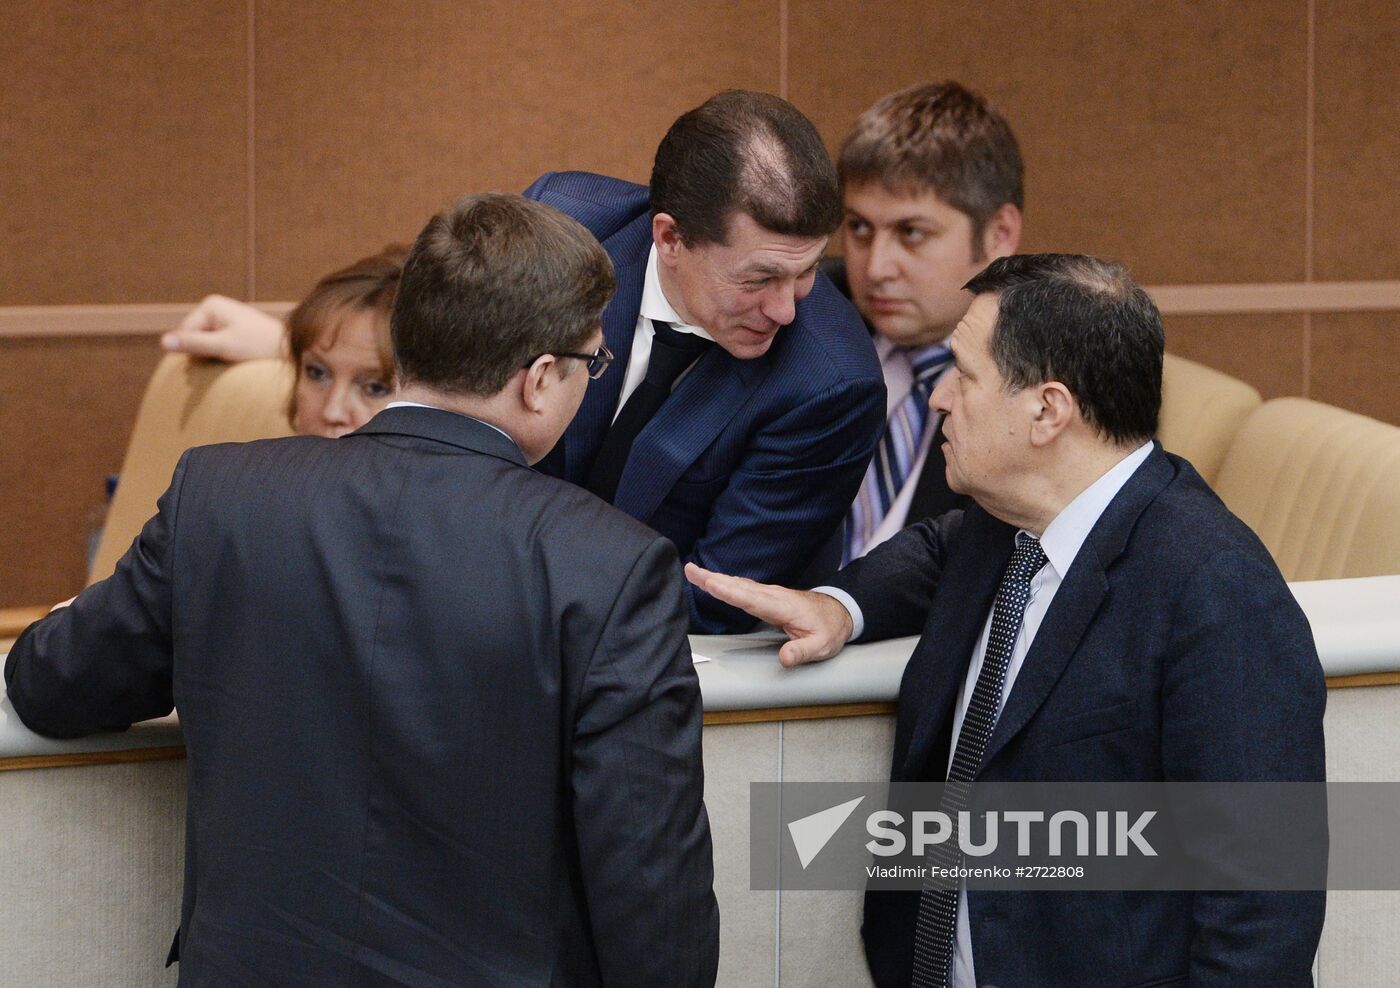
x=671, y=353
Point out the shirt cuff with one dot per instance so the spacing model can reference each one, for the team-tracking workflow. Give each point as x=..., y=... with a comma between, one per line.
x=849, y=603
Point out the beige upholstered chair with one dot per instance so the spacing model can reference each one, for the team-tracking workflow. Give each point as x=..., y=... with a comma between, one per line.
x=1202, y=409
x=1320, y=486
x=188, y=403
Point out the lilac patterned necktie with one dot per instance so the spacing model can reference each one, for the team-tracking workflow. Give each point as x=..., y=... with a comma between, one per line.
x=898, y=449
x=938, y=904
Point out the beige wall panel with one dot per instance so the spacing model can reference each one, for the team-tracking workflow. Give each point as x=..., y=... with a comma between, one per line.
x=372, y=116
x=123, y=169
x=1355, y=359
x=735, y=755
x=1263, y=350
x=90, y=893
x=67, y=410
x=820, y=931
x=1358, y=140
x=1169, y=136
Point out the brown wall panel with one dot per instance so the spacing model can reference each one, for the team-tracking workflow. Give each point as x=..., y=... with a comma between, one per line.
x=123, y=168
x=1172, y=136
x=1356, y=359
x=1169, y=136
x=68, y=407
x=1357, y=140
x=371, y=116
x=1264, y=350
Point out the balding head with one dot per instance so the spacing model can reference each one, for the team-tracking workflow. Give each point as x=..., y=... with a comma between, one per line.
x=745, y=152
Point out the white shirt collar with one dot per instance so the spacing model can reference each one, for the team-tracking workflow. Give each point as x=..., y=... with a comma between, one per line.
x=1064, y=536
x=654, y=303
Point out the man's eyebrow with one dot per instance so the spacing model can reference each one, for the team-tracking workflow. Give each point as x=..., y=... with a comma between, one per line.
x=910, y=219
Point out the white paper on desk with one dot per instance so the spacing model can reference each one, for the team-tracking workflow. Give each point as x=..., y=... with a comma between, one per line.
x=698, y=658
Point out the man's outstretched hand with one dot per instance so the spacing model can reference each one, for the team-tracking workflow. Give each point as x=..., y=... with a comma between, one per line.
x=816, y=624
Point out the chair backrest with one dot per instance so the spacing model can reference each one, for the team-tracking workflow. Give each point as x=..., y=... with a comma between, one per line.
x=1320, y=486
x=188, y=403
x=1202, y=409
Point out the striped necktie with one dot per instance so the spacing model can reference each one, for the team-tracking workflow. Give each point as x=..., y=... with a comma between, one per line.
x=898, y=449
x=938, y=904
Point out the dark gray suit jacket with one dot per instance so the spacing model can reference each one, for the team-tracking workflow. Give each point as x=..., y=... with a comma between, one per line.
x=1173, y=650
x=442, y=722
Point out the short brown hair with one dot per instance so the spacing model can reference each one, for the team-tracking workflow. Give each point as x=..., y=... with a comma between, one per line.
x=368, y=285
x=492, y=282
x=938, y=137
x=745, y=152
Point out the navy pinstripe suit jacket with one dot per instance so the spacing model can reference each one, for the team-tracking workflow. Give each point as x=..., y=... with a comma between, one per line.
x=750, y=465
x=442, y=723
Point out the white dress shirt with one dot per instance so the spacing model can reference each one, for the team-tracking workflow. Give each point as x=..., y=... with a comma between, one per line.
x=1061, y=542
x=654, y=306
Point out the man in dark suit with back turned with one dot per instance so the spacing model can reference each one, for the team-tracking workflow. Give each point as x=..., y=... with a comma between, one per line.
x=931, y=177
x=1096, y=615
x=441, y=717
x=746, y=398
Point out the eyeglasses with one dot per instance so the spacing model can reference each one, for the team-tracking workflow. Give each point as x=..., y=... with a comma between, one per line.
x=598, y=360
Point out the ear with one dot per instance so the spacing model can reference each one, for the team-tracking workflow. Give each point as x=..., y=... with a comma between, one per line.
x=536, y=382
x=1055, y=410
x=667, y=238
x=1002, y=235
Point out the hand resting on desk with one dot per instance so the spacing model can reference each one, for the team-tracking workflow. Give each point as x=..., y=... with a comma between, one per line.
x=817, y=625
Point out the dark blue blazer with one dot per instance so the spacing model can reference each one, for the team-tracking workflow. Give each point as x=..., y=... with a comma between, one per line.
x=1173, y=651
x=750, y=465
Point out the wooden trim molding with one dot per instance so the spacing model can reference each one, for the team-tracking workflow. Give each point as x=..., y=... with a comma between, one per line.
x=1363, y=679
x=1180, y=300
x=104, y=320
x=162, y=754
x=1298, y=296
x=765, y=715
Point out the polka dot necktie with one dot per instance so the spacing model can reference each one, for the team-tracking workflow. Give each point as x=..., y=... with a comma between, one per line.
x=898, y=449
x=938, y=904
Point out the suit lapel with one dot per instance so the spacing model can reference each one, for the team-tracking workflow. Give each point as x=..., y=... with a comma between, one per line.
x=685, y=426
x=936, y=670
x=1076, y=602
x=585, y=434
x=1081, y=594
